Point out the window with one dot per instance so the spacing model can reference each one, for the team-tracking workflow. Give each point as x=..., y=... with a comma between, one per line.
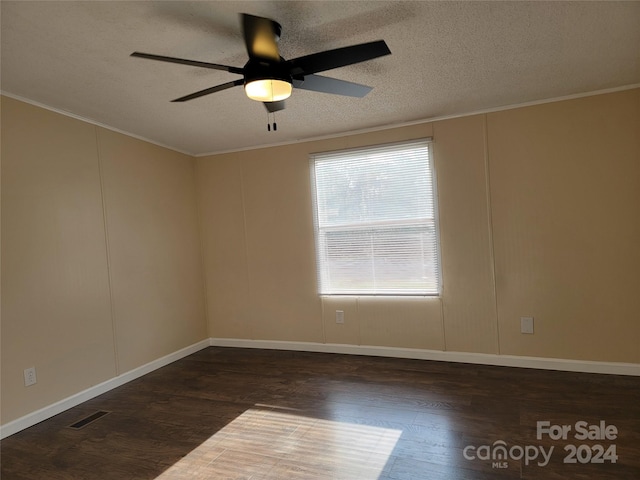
x=375, y=220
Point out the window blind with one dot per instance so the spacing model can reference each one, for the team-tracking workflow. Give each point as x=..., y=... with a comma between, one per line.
x=375, y=221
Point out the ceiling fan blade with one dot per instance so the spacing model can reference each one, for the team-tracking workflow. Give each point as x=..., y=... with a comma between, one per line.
x=274, y=106
x=339, y=57
x=260, y=36
x=193, y=63
x=318, y=83
x=207, y=91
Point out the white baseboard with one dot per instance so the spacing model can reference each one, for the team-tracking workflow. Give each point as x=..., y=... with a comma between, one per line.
x=611, y=368
x=49, y=411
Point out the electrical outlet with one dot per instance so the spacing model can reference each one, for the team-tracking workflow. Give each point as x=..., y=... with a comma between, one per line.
x=29, y=376
x=339, y=316
x=526, y=325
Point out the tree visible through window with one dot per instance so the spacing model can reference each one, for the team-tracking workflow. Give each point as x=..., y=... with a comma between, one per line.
x=375, y=221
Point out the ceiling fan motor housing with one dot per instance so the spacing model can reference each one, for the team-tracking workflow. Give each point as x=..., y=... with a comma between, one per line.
x=266, y=70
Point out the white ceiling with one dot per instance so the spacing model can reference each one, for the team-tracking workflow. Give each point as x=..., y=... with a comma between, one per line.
x=448, y=58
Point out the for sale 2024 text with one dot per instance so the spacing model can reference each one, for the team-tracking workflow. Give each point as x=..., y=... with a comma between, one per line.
x=581, y=430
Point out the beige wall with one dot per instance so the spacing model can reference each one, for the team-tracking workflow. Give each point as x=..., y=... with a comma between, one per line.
x=56, y=311
x=539, y=216
x=469, y=298
x=259, y=245
x=565, y=191
x=60, y=311
x=102, y=270
x=154, y=248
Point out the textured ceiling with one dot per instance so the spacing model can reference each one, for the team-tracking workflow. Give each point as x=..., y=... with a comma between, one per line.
x=448, y=58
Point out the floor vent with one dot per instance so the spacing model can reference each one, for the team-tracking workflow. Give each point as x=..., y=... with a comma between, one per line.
x=87, y=420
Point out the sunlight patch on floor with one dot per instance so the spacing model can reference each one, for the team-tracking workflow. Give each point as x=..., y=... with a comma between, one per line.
x=268, y=444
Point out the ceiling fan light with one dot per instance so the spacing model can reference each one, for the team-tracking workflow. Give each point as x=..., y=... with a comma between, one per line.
x=268, y=90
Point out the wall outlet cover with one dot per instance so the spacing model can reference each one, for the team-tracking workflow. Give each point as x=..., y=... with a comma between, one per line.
x=29, y=376
x=526, y=325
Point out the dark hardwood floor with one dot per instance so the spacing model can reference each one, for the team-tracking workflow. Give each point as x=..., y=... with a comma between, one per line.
x=227, y=413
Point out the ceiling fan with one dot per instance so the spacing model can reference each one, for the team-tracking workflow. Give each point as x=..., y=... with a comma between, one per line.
x=269, y=78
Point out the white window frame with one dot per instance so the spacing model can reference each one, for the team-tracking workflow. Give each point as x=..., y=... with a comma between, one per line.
x=429, y=221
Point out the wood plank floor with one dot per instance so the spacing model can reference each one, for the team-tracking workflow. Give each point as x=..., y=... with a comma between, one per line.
x=227, y=413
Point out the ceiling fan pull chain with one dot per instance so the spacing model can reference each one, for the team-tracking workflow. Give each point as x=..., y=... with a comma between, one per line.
x=271, y=124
